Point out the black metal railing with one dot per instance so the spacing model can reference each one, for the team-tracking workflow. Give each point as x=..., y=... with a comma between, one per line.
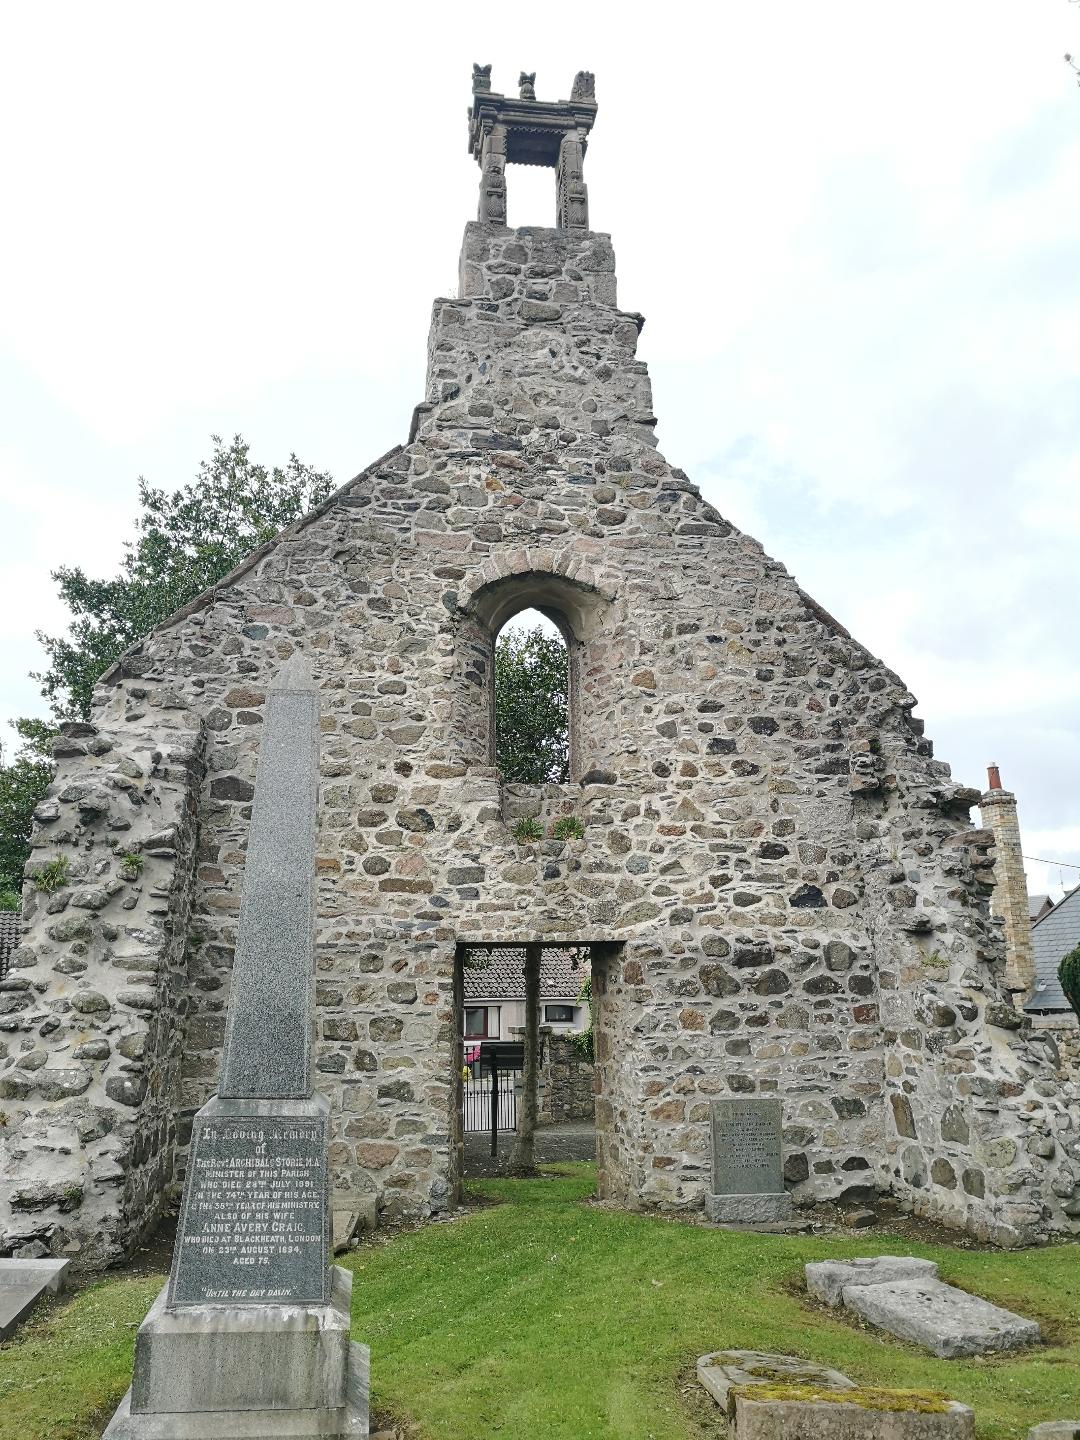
x=488, y=1094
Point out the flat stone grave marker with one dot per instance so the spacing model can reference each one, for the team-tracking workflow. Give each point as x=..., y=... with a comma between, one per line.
x=827, y=1279
x=904, y=1296
x=747, y=1162
x=797, y=1398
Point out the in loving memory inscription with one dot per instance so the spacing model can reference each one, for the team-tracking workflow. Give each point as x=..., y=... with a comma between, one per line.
x=254, y=1223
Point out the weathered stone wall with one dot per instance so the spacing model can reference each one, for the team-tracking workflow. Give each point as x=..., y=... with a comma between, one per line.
x=567, y=1078
x=94, y=1004
x=788, y=878
x=1061, y=1034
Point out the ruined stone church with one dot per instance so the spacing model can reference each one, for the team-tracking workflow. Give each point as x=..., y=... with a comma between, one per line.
x=781, y=886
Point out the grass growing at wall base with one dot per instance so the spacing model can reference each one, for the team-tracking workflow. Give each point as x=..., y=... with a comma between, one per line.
x=544, y=1316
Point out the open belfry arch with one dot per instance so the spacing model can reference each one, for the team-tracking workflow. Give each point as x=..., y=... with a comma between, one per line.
x=788, y=882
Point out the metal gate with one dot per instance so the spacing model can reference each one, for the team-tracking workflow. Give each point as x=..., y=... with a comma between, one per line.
x=477, y=1098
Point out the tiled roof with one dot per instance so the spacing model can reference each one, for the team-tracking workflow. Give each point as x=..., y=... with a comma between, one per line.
x=10, y=937
x=503, y=977
x=1053, y=937
x=1038, y=905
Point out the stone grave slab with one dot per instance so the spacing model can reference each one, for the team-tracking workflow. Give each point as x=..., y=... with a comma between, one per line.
x=22, y=1285
x=947, y=1321
x=1055, y=1430
x=747, y=1162
x=827, y=1279
x=799, y=1400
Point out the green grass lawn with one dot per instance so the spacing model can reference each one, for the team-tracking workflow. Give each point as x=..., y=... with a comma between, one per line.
x=541, y=1316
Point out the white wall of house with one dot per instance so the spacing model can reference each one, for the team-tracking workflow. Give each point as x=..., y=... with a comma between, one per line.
x=505, y=1016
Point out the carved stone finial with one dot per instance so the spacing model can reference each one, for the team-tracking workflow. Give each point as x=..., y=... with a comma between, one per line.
x=584, y=86
x=481, y=77
x=527, y=83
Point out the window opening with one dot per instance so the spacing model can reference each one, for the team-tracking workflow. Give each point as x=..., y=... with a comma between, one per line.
x=532, y=702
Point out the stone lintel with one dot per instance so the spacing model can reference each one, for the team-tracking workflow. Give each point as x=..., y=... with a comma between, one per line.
x=534, y=128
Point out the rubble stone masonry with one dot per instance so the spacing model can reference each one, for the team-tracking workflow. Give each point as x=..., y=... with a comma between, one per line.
x=791, y=895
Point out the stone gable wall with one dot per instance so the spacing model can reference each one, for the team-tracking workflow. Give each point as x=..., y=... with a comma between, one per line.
x=791, y=883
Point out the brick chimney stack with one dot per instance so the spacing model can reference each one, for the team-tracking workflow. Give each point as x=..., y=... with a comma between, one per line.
x=1010, y=897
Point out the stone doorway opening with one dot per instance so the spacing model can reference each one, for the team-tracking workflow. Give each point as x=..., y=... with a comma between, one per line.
x=492, y=1111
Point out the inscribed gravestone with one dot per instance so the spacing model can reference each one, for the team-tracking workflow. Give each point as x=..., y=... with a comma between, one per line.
x=747, y=1157
x=252, y=1337
x=254, y=1222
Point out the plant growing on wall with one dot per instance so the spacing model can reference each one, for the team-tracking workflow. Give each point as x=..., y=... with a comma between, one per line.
x=584, y=1039
x=568, y=827
x=1069, y=977
x=51, y=875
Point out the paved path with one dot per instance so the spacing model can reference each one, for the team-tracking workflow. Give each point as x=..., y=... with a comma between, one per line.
x=575, y=1140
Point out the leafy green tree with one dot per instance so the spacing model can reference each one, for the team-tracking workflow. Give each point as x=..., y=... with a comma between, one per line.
x=184, y=543
x=23, y=783
x=1069, y=977
x=532, y=734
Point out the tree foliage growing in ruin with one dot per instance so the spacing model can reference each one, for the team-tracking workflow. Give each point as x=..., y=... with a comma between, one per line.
x=1069, y=978
x=185, y=541
x=532, y=733
x=23, y=782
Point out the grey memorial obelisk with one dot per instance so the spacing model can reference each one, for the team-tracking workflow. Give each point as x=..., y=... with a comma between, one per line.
x=250, y=1338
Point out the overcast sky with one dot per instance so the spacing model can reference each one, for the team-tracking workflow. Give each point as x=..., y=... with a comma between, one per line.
x=852, y=226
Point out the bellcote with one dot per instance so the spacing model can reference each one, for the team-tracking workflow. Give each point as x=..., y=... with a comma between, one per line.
x=504, y=130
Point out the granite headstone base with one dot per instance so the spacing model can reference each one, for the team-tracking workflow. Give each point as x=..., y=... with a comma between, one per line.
x=764, y=1209
x=240, y=1372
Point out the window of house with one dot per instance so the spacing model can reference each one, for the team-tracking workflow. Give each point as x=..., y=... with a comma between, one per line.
x=560, y=1014
x=482, y=1022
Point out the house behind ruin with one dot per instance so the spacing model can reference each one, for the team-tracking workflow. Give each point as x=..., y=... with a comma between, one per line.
x=781, y=885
